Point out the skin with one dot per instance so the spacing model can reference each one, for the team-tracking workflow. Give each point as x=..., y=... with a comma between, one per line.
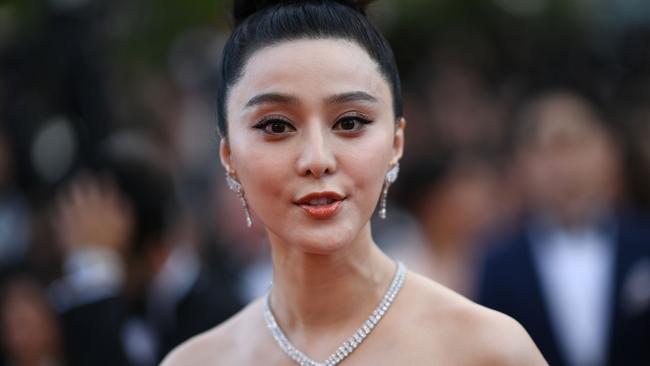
x=570, y=167
x=28, y=327
x=328, y=273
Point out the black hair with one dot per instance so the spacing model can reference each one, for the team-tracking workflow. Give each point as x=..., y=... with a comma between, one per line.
x=148, y=186
x=523, y=121
x=262, y=23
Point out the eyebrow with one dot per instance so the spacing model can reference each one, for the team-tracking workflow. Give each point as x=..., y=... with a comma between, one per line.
x=274, y=98
x=278, y=98
x=357, y=96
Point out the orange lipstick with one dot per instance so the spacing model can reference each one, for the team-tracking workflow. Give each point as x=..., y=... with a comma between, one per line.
x=321, y=205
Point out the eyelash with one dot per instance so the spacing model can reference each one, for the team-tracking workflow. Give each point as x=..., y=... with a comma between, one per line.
x=359, y=118
x=265, y=123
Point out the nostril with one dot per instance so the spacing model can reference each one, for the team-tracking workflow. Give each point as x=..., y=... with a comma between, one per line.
x=318, y=172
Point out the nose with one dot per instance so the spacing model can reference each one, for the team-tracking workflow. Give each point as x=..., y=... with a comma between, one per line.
x=317, y=157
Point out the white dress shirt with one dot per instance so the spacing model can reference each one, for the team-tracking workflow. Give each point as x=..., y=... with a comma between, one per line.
x=576, y=271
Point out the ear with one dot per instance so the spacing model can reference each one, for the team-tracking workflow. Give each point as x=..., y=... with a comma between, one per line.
x=224, y=154
x=398, y=141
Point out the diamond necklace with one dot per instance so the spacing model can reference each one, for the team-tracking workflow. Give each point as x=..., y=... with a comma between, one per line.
x=348, y=346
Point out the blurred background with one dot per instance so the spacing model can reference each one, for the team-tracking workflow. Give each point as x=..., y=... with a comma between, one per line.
x=525, y=182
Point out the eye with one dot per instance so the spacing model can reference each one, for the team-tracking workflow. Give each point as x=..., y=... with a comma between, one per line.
x=351, y=123
x=275, y=126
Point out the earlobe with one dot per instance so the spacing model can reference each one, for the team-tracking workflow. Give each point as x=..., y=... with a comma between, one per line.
x=398, y=141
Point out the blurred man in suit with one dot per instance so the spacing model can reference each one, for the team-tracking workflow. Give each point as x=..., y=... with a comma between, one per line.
x=134, y=285
x=576, y=272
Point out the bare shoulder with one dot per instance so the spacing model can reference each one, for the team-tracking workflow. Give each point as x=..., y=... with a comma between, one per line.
x=499, y=339
x=215, y=346
x=480, y=336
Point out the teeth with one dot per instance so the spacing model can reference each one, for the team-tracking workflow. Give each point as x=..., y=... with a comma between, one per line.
x=321, y=201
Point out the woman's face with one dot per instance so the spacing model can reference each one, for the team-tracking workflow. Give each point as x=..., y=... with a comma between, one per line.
x=312, y=135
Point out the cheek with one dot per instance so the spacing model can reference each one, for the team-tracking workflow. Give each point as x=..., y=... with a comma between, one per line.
x=366, y=163
x=262, y=171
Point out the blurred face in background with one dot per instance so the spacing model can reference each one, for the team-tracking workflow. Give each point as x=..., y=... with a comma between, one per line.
x=29, y=329
x=569, y=163
x=458, y=210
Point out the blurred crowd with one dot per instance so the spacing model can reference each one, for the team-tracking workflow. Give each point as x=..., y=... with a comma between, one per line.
x=525, y=183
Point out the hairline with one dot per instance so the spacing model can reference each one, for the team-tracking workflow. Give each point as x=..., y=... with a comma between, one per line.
x=307, y=37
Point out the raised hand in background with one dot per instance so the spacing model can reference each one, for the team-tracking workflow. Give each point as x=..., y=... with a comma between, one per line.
x=92, y=213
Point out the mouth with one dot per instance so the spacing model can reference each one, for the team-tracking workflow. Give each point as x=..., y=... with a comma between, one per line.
x=321, y=205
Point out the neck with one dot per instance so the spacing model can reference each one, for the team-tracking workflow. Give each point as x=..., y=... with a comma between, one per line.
x=316, y=292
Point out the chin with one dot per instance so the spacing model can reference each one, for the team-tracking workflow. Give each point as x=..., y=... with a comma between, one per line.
x=324, y=248
x=325, y=242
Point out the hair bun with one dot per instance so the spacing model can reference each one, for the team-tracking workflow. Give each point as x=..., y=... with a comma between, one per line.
x=242, y=9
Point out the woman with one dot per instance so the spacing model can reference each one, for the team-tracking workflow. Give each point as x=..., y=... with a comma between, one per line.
x=310, y=113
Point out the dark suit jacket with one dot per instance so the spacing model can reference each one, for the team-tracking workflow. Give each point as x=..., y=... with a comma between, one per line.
x=93, y=332
x=510, y=284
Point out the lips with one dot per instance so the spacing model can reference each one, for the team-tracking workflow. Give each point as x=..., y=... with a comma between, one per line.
x=321, y=205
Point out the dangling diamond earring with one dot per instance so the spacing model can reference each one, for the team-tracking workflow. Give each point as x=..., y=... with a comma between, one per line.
x=391, y=177
x=236, y=187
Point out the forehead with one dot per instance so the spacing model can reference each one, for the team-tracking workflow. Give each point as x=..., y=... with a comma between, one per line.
x=565, y=117
x=310, y=68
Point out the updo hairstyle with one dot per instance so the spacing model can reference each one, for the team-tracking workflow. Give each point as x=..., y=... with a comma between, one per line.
x=264, y=23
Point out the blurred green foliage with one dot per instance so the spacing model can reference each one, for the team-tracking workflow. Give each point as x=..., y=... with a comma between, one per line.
x=156, y=23
x=140, y=32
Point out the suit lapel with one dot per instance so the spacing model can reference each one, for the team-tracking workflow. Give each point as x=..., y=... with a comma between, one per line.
x=628, y=317
x=539, y=321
